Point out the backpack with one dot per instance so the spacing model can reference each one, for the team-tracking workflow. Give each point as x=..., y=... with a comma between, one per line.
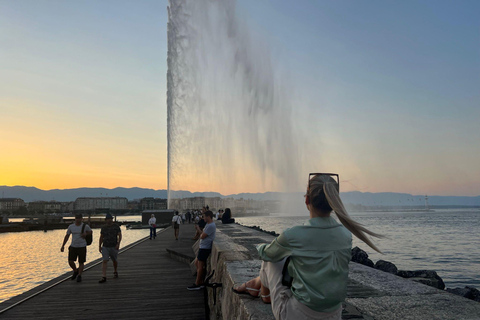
x=88, y=237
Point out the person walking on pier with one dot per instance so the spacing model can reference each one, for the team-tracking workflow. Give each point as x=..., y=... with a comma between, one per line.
x=108, y=245
x=153, y=226
x=78, y=246
x=304, y=271
x=176, y=221
x=206, y=242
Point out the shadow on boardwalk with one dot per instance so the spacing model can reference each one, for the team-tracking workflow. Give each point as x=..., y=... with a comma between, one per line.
x=150, y=286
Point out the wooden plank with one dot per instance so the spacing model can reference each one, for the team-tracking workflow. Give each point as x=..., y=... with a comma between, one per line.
x=151, y=285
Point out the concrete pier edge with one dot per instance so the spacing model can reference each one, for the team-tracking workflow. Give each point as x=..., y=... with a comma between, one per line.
x=372, y=294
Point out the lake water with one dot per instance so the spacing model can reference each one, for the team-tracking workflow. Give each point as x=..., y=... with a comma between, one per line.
x=446, y=241
x=28, y=259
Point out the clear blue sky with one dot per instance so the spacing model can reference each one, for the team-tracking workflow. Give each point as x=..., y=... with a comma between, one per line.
x=393, y=87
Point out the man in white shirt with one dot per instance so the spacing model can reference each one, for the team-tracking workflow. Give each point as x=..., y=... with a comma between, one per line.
x=78, y=247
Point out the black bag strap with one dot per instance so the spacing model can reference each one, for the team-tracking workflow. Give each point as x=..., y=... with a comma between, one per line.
x=83, y=227
x=286, y=277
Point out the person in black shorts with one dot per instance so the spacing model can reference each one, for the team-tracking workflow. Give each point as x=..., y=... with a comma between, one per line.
x=206, y=242
x=78, y=247
x=108, y=245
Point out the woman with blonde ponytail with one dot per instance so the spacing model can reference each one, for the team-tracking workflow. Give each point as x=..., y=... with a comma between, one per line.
x=315, y=255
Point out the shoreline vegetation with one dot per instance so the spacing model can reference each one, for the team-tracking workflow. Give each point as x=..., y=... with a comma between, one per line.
x=427, y=277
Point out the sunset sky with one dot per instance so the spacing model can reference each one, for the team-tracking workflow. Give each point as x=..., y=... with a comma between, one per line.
x=387, y=91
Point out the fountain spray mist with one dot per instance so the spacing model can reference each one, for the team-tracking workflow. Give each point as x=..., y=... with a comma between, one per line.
x=229, y=114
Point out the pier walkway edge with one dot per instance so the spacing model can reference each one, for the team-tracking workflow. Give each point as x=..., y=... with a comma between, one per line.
x=151, y=285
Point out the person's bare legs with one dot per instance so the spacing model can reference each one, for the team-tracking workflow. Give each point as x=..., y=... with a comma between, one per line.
x=72, y=265
x=104, y=268
x=200, y=266
x=265, y=294
x=255, y=288
x=80, y=268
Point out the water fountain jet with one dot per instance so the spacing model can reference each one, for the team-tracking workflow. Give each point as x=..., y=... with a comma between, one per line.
x=229, y=115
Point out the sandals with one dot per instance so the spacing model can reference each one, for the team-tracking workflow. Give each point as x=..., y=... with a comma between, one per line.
x=247, y=289
x=103, y=280
x=265, y=296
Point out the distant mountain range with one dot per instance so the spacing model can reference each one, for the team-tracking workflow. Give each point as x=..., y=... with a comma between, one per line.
x=29, y=194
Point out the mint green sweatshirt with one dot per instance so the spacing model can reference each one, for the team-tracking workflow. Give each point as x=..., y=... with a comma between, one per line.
x=320, y=252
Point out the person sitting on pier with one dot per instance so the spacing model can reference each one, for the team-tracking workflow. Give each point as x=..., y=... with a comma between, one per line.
x=227, y=216
x=316, y=255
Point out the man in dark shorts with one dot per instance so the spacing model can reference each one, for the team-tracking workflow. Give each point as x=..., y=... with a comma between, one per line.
x=108, y=245
x=206, y=242
x=78, y=247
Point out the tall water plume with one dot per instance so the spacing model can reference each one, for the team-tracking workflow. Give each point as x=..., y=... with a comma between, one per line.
x=229, y=115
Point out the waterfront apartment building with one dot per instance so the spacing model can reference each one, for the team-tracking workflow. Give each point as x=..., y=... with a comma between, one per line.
x=95, y=203
x=150, y=203
x=45, y=206
x=215, y=203
x=188, y=203
x=11, y=204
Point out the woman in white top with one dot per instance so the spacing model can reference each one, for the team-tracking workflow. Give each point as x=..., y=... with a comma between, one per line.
x=176, y=220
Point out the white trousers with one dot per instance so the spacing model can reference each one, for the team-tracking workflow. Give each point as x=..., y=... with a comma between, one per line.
x=284, y=305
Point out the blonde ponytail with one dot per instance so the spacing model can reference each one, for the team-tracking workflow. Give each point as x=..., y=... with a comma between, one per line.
x=330, y=189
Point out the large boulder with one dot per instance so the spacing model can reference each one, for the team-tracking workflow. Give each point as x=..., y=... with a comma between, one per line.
x=386, y=266
x=467, y=292
x=360, y=256
x=428, y=277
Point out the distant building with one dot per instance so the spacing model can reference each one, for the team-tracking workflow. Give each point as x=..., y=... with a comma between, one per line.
x=188, y=203
x=215, y=203
x=68, y=206
x=11, y=204
x=45, y=206
x=133, y=205
x=95, y=203
x=150, y=203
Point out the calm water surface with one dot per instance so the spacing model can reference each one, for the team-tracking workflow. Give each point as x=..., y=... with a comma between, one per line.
x=28, y=259
x=446, y=241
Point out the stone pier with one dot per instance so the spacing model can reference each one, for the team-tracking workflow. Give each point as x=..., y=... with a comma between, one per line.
x=372, y=294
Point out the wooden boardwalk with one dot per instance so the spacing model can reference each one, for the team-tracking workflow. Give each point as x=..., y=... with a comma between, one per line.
x=151, y=285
